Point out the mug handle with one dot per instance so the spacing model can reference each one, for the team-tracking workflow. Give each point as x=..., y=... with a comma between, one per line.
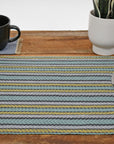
x=18, y=35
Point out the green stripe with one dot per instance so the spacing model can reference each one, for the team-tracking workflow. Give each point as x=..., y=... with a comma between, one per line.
x=58, y=57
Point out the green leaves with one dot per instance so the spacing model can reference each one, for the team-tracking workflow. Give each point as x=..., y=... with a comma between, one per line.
x=96, y=8
x=104, y=8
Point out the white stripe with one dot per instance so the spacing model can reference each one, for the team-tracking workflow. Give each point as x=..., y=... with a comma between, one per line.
x=56, y=82
x=61, y=74
x=55, y=127
x=56, y=116
x=56, y=103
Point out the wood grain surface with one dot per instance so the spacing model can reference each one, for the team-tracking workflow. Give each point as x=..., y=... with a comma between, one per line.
x=56, y=139
x=55, y=43
x=61, y=43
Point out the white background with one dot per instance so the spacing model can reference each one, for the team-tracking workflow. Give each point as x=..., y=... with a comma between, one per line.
x=47, y=14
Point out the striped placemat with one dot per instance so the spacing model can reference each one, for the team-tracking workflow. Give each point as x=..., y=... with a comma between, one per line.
x=56, y=95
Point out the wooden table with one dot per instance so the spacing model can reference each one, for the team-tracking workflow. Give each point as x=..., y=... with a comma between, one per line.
x=55, y=43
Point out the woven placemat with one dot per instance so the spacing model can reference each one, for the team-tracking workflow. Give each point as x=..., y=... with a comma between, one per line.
x=56, y=95
x=12, y=48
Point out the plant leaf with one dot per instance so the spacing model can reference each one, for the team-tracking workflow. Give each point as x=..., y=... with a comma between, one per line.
x=109, y=9
x=103, y=7
x=96, y=8
x=112, y=9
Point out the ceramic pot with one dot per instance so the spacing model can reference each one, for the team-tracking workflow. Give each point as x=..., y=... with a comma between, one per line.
x=101, y=34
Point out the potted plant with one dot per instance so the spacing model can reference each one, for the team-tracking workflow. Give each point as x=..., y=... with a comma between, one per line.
x=101, y=27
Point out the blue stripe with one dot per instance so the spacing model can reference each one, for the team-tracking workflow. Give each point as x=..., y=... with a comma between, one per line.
x=57, y=87
x=83, y=78
x=56, y=98
x=54, y=62
x=56, y=109
x=58, y=121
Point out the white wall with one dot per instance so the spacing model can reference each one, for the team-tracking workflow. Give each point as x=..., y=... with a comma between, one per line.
x=47, y=14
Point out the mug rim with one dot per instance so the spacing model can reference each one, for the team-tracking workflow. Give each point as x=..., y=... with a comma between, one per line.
x=3, y=16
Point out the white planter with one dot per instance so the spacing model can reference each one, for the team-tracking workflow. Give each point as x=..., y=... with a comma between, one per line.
x=101, y=34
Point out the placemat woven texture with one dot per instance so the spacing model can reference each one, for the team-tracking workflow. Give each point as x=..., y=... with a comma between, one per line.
x=11, y=48
x=56, y=95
